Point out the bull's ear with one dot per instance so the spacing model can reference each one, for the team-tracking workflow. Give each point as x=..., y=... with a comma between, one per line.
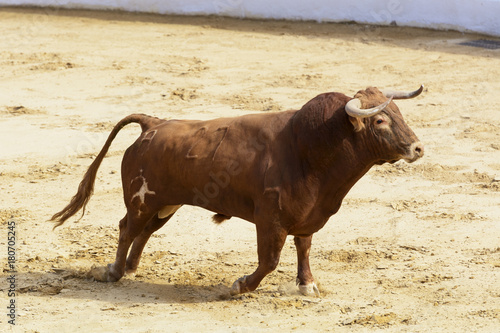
x=357, y=123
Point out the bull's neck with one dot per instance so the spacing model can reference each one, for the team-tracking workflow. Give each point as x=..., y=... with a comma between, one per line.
x=336, y=159
x=351, y=162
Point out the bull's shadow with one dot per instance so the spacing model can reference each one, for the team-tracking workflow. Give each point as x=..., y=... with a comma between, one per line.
x=72, y=284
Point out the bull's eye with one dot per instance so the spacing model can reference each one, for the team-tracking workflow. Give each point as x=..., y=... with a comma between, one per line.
x=379, y=121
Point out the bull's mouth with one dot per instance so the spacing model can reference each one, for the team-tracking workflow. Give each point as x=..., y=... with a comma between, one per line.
x=411, y=160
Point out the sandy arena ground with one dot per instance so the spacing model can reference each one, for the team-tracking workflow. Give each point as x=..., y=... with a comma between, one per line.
x=415, y=247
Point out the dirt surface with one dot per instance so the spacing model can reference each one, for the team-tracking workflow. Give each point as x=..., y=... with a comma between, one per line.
x=414, y=248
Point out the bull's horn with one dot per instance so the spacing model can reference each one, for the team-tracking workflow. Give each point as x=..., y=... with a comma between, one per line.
x=353, y=108
x=403, y=94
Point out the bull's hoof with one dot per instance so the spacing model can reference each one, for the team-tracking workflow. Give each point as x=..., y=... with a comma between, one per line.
x=130, y=272
x=103, y=273
x=236, y=288
x=100, y=273
x=310, y=289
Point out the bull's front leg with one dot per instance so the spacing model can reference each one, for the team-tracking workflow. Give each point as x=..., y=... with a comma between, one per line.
x=270, y=241
x=305, y=279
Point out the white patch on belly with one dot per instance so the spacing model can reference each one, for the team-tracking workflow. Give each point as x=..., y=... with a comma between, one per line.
x=167, y=211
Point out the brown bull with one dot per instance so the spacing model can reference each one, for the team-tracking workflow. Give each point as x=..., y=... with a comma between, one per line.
x=286, y=172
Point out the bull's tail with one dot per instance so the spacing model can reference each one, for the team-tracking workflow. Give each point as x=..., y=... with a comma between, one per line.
x=86, y=187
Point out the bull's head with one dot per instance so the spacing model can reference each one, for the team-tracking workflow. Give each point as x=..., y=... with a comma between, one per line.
x=373, y=114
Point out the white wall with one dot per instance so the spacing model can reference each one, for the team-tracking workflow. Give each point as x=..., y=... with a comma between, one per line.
x=463, y=15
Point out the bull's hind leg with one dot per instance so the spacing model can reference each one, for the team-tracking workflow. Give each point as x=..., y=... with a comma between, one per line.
x=130, y=228
x=270, y=241
x=140, y=241
x=305, y=279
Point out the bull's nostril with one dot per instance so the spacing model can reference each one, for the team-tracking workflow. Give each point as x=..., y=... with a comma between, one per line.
x=419, y=149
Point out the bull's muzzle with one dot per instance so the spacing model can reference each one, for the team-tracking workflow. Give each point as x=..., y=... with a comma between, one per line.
x=415, y=152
